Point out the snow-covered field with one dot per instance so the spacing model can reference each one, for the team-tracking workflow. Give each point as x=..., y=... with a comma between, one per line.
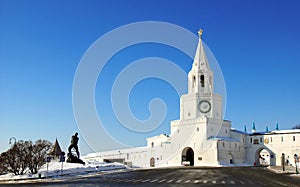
x=56, y=169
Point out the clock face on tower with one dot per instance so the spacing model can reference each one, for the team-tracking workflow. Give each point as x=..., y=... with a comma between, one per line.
x=204, y=106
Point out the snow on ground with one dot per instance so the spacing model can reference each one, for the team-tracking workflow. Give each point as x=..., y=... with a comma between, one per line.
x=56, y=169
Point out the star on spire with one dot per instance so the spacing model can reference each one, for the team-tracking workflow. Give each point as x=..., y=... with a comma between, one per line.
x=200, y=33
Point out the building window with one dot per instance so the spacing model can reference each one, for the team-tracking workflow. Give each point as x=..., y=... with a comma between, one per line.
x=199, y=158
x=152, y=144
x=177, y=130
x=250, y=140
x=226, y=131
x=281, y=138
x=294, y=138
x=202, y=80
x=198, y=129
x=127, y=155
x=255, y=141
x=260, y=140
x=223, y=144
x=235, y=145
x=271, y=139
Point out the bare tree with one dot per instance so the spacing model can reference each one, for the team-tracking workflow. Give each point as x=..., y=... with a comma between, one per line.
x=38, y=154
x=13, y=160
x=296, y=126
x=24, y=155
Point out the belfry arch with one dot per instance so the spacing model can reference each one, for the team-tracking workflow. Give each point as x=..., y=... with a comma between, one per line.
x=202, y=80
x=194, y=81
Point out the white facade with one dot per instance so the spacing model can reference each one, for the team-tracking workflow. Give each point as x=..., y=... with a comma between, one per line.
x=276, y=143
x=201, y=137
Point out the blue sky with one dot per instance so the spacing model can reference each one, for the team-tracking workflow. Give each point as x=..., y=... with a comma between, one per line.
x=256, y=43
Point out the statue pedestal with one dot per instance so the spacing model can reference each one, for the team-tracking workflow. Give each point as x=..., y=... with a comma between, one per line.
x=74, y=159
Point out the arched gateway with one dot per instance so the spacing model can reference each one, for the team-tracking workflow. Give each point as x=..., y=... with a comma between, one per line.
x=264, y=157
x=187, y=156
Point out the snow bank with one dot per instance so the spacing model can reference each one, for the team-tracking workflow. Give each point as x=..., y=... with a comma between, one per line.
x=58, y=169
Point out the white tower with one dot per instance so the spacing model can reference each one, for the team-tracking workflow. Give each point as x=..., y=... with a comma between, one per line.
x=200, y=100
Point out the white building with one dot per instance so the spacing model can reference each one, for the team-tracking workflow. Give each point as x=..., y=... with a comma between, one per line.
x=201, y=136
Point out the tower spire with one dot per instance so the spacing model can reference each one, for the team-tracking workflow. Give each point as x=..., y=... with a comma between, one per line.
x=277, y=126
x=201, y=101
x=253, y=127
x=200, y=76
x=200, y=60
x=267, y=128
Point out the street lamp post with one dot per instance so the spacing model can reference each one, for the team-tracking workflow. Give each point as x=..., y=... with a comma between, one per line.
x=282, y=161
x=296, y=160
x=62, y=159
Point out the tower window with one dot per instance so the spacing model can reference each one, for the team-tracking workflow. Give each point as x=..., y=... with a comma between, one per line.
x=294, y=138
x=194, y=81
x=152, y=144
x=202, y=80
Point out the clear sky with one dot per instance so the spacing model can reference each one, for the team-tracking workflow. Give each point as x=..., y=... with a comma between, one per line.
x=256, y=43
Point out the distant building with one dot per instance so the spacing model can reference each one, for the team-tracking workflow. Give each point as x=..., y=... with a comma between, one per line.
x=202, y=138
x=55, y=151
x=271, y=145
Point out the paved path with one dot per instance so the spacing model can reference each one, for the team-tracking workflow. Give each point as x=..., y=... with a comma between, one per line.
x=183, y=176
